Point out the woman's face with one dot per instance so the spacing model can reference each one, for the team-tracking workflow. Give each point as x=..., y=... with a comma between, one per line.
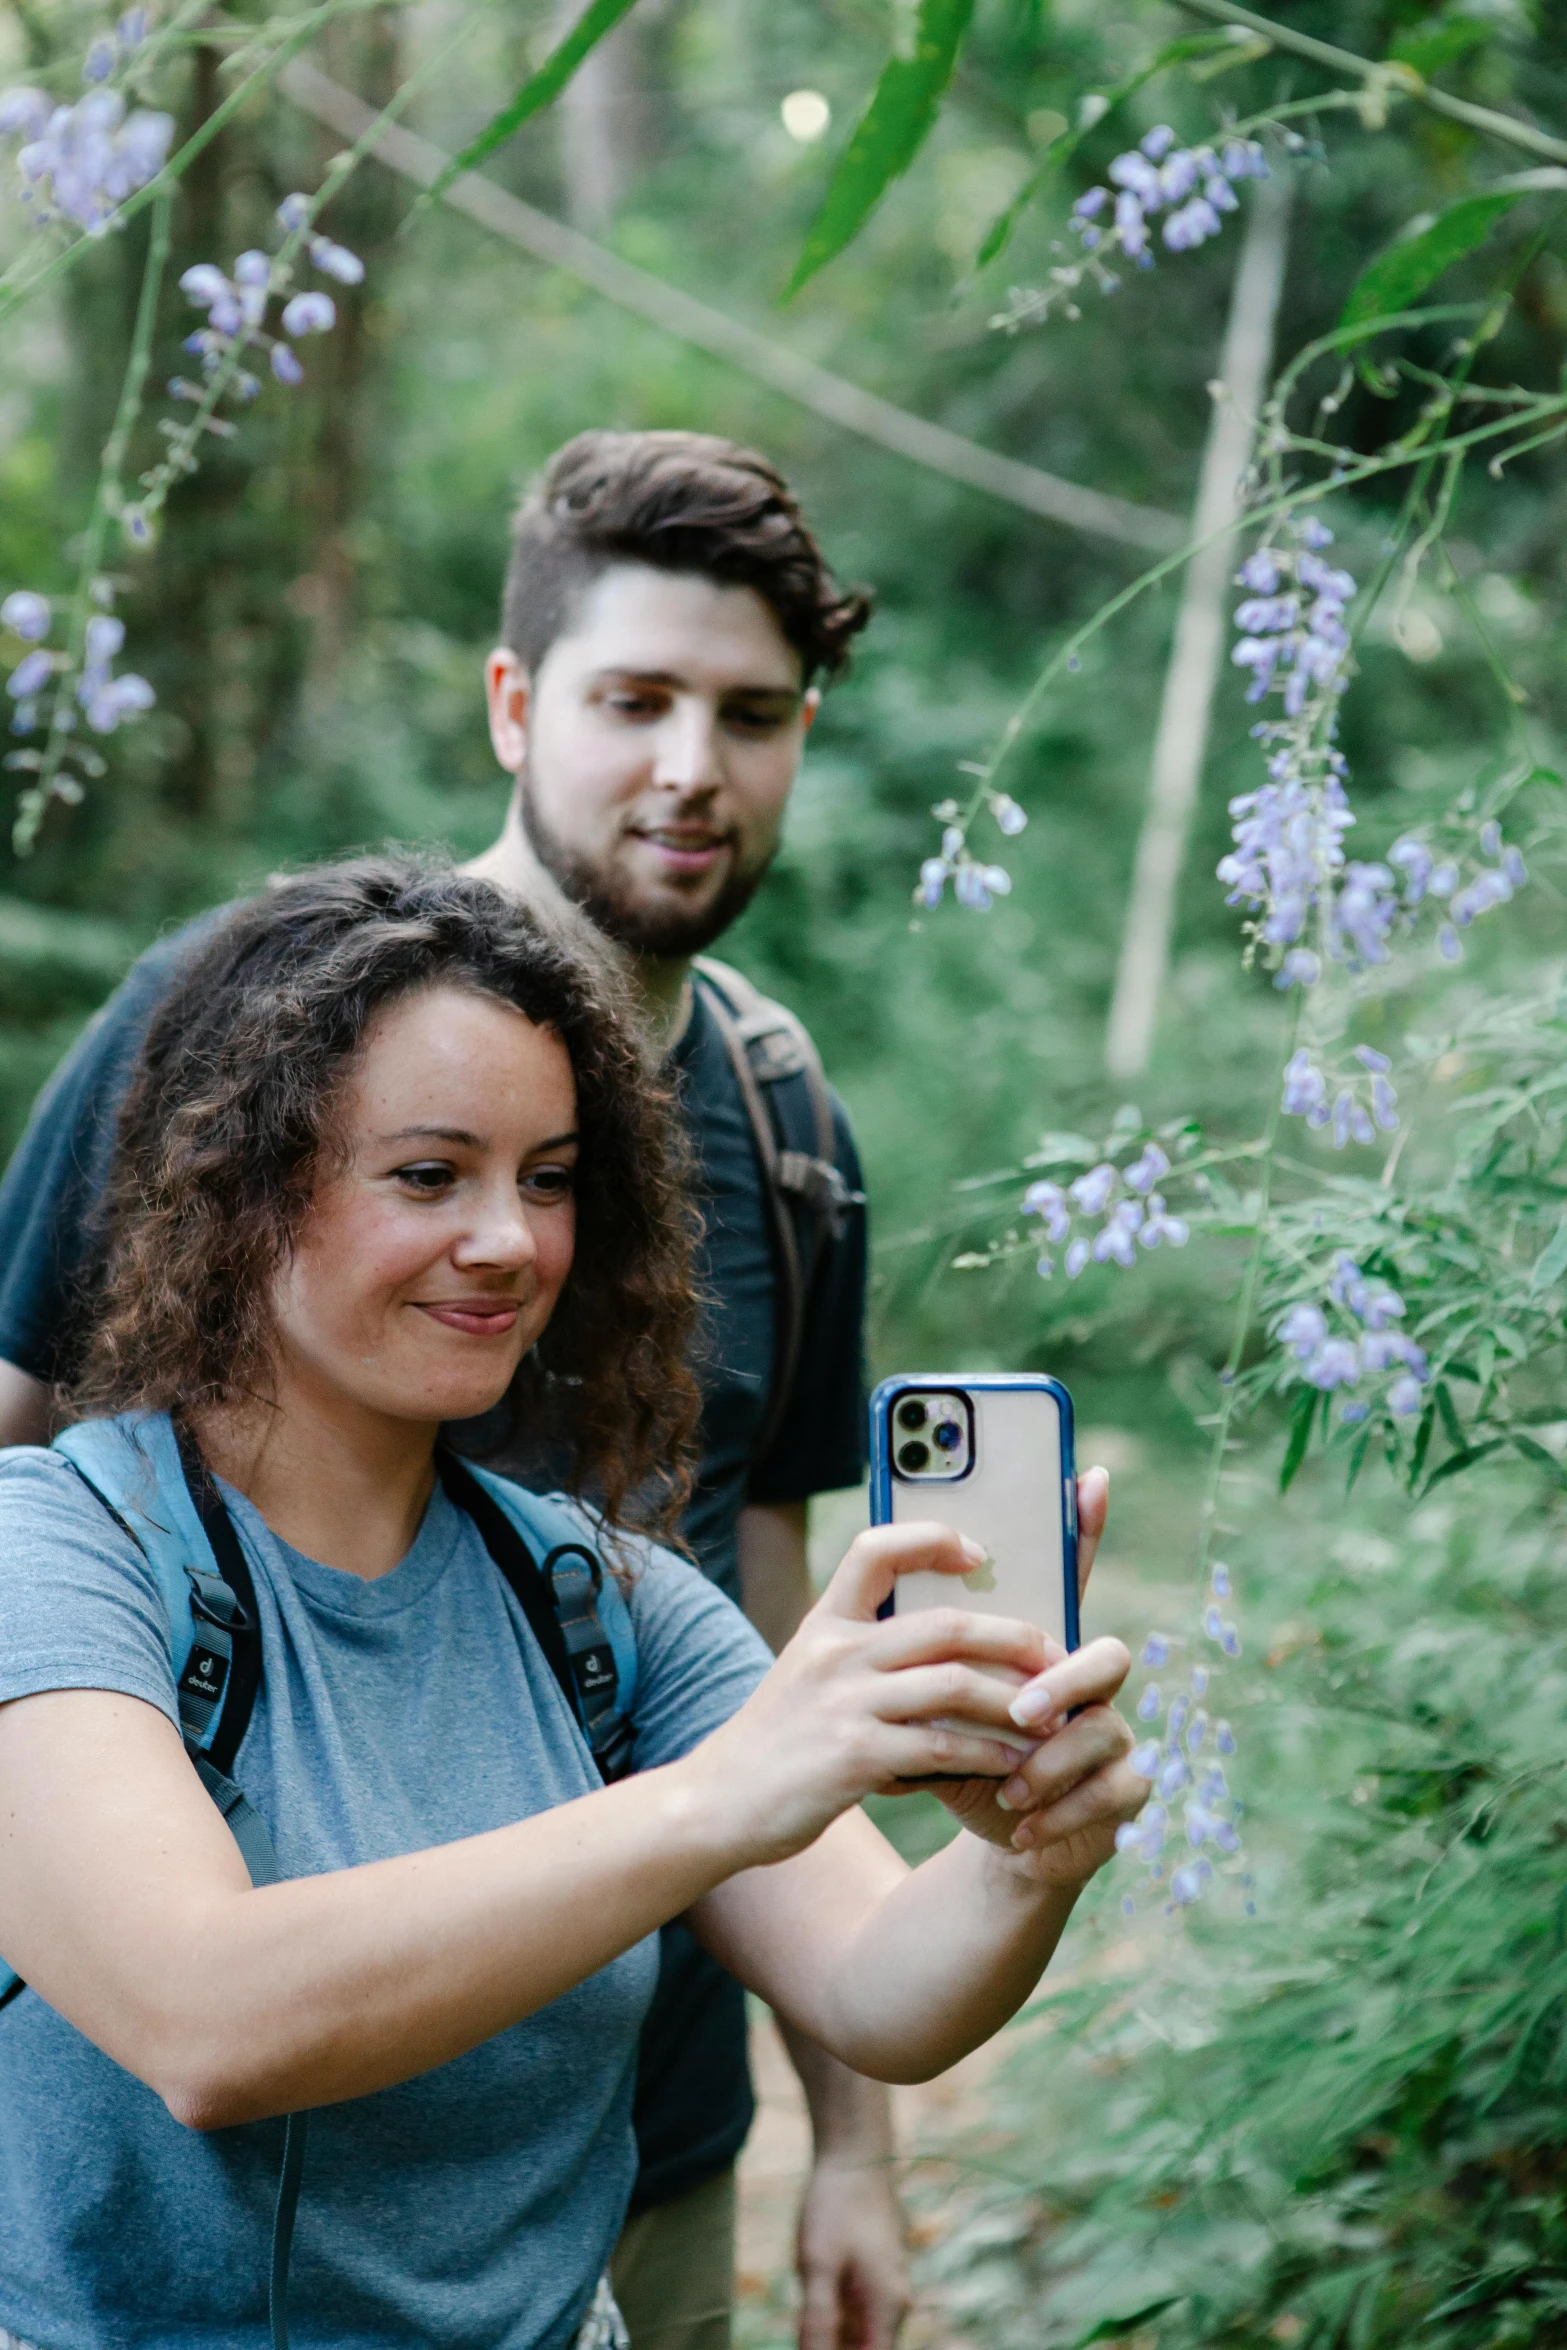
x=434, y=1248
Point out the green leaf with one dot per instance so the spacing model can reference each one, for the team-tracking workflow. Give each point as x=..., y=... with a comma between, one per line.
x=537, y=91
x=1300, y=1436
x=889, y=134
x=1398, y=277
x=1447, y=41
x=1541, y=1458
x=1458, y=1461
x=1551, y=1263
x=1110, y=2329
x=1450, y=1420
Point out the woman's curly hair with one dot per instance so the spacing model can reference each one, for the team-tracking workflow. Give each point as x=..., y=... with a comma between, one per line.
x=231, y=1113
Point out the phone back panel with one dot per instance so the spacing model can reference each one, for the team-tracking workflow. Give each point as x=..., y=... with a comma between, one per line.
x=1017, y=1496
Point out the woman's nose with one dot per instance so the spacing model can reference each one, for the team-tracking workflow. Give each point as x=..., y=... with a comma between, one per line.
x=503, y=1236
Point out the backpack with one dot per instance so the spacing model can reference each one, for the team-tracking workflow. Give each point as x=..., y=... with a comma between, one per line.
x=782, y=1085
x=154, y=1484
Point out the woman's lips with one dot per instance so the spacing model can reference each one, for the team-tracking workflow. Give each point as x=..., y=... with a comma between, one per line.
x=479, y=1318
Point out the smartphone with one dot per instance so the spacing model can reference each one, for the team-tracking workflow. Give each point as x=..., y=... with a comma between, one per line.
x=990, y=1454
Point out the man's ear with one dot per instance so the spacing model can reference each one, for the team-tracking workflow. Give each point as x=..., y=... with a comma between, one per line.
x=810, y=703
x=509, y=693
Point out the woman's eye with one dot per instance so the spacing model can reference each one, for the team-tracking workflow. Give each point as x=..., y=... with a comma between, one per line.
x=427, y=1177
x=550, y=1182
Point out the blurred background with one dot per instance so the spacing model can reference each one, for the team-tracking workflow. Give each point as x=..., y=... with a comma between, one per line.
x=315, y=620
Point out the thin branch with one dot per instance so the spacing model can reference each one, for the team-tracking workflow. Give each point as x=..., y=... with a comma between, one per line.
x=1388, y=79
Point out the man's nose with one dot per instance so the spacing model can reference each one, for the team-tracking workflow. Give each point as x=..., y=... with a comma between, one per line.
x=689, y=757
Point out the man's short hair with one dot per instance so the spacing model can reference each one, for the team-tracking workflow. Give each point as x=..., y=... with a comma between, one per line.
x=681, y=501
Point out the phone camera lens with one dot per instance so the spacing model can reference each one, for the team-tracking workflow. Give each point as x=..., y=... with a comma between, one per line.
x=911, y=1413
x=946, y=1436
x=912, y=1457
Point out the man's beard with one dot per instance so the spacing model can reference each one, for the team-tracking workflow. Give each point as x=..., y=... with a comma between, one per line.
x=662, y=931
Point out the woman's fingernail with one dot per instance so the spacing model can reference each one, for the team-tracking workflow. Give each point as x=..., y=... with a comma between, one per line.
x=1014, y=1795
x=1022, y=1836
x=1032, y=1708
x=1001, y=1801
x=972, y=1550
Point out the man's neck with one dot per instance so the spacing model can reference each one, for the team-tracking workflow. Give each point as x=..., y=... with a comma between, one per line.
x=662, y=982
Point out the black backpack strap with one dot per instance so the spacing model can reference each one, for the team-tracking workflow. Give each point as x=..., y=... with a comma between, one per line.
x=559, y=1600
x=807, y=1195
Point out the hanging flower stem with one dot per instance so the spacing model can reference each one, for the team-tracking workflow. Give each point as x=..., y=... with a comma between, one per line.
x=108, y=500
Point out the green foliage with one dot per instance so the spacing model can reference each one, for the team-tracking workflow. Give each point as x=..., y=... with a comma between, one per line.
x=1397, y=278
x=541, y=89
x=890, y=133
x=1341, y=2124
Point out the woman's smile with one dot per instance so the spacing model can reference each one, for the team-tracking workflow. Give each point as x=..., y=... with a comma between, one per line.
x=481, y=1317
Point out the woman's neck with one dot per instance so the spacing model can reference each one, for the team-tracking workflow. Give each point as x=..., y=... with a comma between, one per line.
x=342, y=1484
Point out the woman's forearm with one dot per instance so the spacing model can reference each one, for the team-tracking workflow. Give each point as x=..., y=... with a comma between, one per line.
x=128, y=1908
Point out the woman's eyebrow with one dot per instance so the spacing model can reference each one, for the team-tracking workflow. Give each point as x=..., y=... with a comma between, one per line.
x=466, y=1139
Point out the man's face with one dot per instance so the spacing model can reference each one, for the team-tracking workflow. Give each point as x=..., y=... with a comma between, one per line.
x=654, y=753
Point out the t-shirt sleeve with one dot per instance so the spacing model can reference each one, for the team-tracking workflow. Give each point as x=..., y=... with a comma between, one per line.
x=79, y=1604
x=50, y=1226
x=698, y=1660
x=820, y=1444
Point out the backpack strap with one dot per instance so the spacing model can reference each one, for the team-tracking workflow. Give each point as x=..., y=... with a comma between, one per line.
x=566, y=1600
x=807, y=1195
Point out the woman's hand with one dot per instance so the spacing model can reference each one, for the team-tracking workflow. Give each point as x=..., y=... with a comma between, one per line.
x=852, y=1706
x=1076, y=1787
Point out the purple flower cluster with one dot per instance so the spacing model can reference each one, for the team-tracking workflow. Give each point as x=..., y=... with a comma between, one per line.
x=1355, y=1105
x=1106, y=1215
x=79, y=163
x=236, y=305
x=1440, y=881
x=104, y=698
x=1192, y=186
x=1184, y=1764
x=1359, y=1345
x=973, y=885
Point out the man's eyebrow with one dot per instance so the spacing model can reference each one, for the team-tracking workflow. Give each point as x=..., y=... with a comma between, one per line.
x=466, y=1139
x=670, y=677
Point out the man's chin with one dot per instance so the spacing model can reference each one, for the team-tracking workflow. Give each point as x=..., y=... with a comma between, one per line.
x=666, y=927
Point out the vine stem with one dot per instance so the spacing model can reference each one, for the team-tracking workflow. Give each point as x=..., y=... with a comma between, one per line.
x=1245, y=1307
x=107, y=501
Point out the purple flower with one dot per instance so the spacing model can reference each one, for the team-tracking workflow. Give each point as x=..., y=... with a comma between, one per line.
x=1144, y=1759
x=1491, y=839
x=1514, y=867
x=286, y=367
x=1161, y=1226
x=309, y=314
x=1192, y=225
x=336, y=261
x=1148, y=1703
x=1415, y=861
x=1351, y=1414
x=204, y=283
x=1156, y=144
x=1117, y=1239
x=293, y=212
x=1243, y=159
x=1185, y=1886
x=1404, y=1397
x=1260, y=571
x=100, y=60
x=24, y=113
x=31, y=674
x=1009, y=816
x=1305, y=1087
x=1090, y=203
x=1369, y=1058
x=1075, y=1259
x=1178, y=176
x=1384, y=1105
x=27, y=615
x=1448, y=940
x=123, y=697
x=1335, y=1363
x=1130, y=225
x=1300, y=968
x=1156, y=1650
x=1304, y=1328
x=104, y=637
x=1138, y=181
x=1092, y=1191
x=1146, y=1171
x=1224, y=1738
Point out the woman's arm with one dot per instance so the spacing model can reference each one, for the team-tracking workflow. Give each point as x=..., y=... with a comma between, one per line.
x=124, y=1901
x=901, y=1972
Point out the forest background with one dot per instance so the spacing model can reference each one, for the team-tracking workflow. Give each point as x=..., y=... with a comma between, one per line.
x=1340, y=2118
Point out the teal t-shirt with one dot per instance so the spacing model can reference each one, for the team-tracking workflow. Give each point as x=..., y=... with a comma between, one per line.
x=471, y=2208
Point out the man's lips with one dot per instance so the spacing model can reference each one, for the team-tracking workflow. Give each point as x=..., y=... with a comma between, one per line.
x=680, y=849
x=479, y=1317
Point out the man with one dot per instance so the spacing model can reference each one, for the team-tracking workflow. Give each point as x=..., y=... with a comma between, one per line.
x=666, y=614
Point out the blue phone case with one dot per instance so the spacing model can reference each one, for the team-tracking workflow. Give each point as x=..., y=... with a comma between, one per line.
x=882, y=1405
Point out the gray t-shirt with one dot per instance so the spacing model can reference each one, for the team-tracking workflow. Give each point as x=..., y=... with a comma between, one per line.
x=473, y=2206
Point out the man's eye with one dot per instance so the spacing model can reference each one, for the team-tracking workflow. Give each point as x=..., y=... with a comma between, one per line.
x=425, y=1176
x=746, y=721
x=635, y=705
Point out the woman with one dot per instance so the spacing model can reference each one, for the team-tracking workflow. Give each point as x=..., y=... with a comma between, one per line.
x=391, y=1155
